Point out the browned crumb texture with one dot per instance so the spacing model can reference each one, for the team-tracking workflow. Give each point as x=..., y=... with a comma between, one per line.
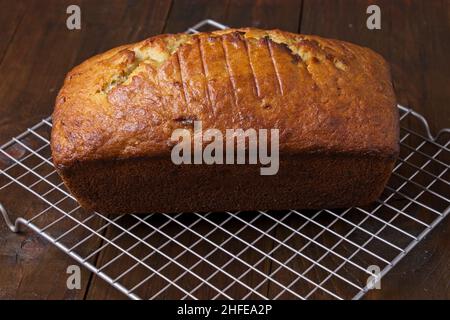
x=332, y=101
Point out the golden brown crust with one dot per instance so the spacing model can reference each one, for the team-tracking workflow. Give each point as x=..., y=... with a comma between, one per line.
x=324, y=95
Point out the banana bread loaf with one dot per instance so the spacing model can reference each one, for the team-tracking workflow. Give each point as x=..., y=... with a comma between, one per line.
x=331, y=101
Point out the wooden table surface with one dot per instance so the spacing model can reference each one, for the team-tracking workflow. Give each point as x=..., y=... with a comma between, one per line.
x=36, y=51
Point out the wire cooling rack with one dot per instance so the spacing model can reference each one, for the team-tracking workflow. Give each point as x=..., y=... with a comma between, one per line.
x=295, y=254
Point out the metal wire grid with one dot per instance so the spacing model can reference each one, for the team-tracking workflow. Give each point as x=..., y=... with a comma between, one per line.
x=294, y=254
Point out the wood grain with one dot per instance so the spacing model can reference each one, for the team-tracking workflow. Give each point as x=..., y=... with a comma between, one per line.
x=11, y=16
x=31, y=74
x=37, y=50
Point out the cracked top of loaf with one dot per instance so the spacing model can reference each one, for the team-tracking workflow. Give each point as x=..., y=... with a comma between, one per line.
x=323, y=95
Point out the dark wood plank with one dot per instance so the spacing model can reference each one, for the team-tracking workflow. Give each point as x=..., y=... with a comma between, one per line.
x=413, y=39
x=267, y=14
x=34, y=268
x=282, y=14
x=184, y=14
x=34, y=65
x=10, y=16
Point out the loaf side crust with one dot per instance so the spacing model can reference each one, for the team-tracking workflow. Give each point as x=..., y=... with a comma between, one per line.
x=308, y=181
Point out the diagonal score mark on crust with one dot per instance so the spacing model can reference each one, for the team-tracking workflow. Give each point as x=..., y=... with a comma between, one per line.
x=230, y=76
x=183, y=84
x=247, y=51
x=145, y=54
x=274, y=63
x=203, y=65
